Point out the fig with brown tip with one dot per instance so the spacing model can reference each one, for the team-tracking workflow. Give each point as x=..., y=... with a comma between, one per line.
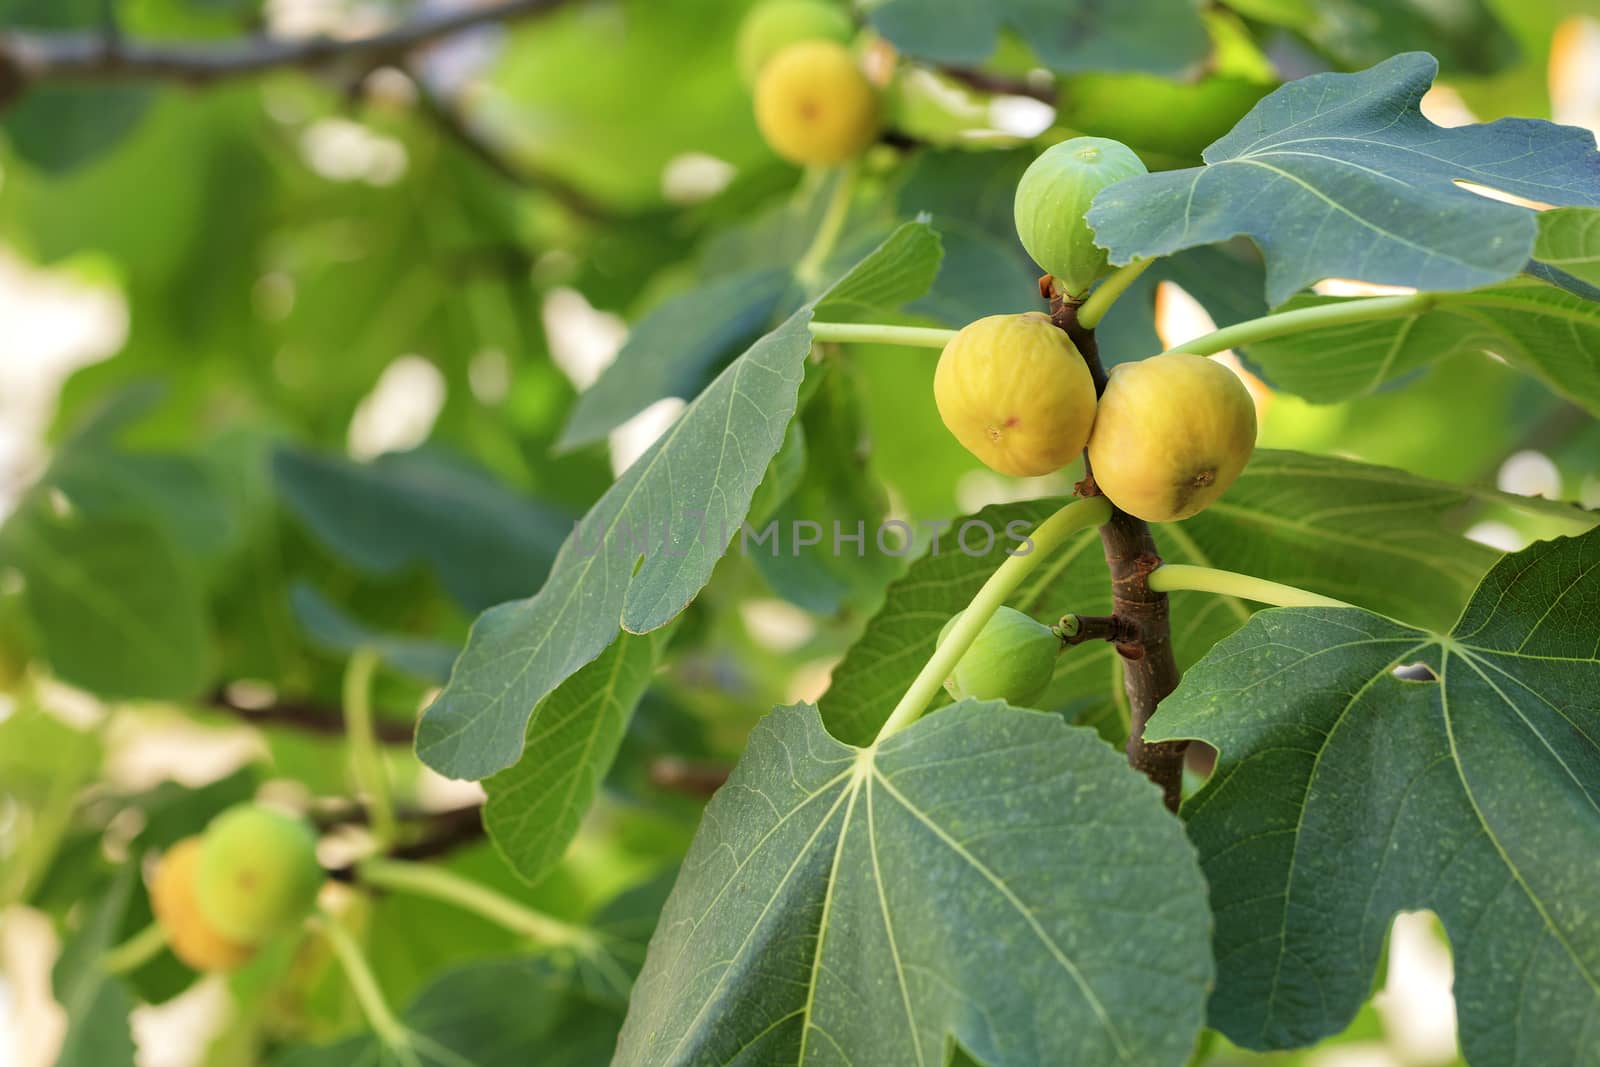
x=1172, y=434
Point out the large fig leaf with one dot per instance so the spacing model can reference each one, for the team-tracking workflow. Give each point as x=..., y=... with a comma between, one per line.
x=686, y=496
x=1345, y=794
x=1159, y=36
x=1340, y=175
x=988, y=875
x=1549, y=332
x=1372, y=535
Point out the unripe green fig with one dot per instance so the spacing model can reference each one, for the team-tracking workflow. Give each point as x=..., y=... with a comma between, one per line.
x=1015, y=391
x=814, y=106
x=1012, y=659
x=1172, y=434
x=1054, y=195
x=771, y=27
x=173, y=899
x=258, y=872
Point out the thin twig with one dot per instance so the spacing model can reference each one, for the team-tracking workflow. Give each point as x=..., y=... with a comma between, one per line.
x=308, y=716
x=985, y=82
x=459, y=128
x=97, y=56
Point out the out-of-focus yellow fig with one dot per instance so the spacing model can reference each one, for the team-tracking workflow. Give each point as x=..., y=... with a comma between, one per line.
x=1016, y=393
x=1053, y=196
x=1011, y=660
x=1172, y=434
x=172, y=897
x=772, y=26
x=258, y=872
x=814, y=105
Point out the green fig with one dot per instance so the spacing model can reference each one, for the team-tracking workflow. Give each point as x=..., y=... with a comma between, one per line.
x=258, y=872
x=1012, y=659
x=1054, y=195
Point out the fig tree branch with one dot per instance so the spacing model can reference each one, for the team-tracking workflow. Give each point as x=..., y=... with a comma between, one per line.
x=306, y=715
x=87, y=56
x=1149, y=668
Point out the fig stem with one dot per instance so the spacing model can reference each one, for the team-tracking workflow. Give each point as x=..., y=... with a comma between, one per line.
x=1173, y=577
x=878, y=334
x=1298, y=320
x=1105, y=294
x=366, y=761
x=390, y=1030
x=808, y=272
x=439, y=883
x=1048, y=535
x=136, y=951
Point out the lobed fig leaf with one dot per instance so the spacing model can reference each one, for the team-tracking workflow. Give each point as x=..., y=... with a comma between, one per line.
x=1053, y=196
x=258, y=872
x=173, y=898
x=814, y=105
x=1172, y=433
x=771, y=27
x=1012, y=659
x=1016, y=393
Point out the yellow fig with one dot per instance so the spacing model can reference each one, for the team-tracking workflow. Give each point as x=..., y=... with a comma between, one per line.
x=1016, y=393
x=1173, y=432
x=814, y=105
x=771, y=26
x=174, y=900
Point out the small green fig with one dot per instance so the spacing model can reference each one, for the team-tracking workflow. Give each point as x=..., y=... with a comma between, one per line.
x=1053, y=196
x=258, y=872
x=771, y=27
x=1012, y=659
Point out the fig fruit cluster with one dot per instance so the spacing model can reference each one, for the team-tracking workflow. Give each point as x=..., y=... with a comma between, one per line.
x=220, y=895
x=813, y=104
x=1167, y=436
x=1011, y=660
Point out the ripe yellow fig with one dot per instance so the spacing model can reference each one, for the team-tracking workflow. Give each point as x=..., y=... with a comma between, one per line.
x=258, y=872
x=1172, y=434
x=1054, y=195
x=772, y=26
x=172, y=897
x=1016, y=393
x=813, y=104
x=1012, y=659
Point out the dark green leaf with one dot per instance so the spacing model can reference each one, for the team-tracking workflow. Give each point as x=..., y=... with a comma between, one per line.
x=1161, y=36
x=1345, y=794
x=486, y=543
x=974, y=877
x=686, y=496
x=337, y=632
x=1340, y=175
x=114, y=601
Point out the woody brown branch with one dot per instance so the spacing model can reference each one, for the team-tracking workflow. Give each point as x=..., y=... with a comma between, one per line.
x=1149, y=668
x=30, y=57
